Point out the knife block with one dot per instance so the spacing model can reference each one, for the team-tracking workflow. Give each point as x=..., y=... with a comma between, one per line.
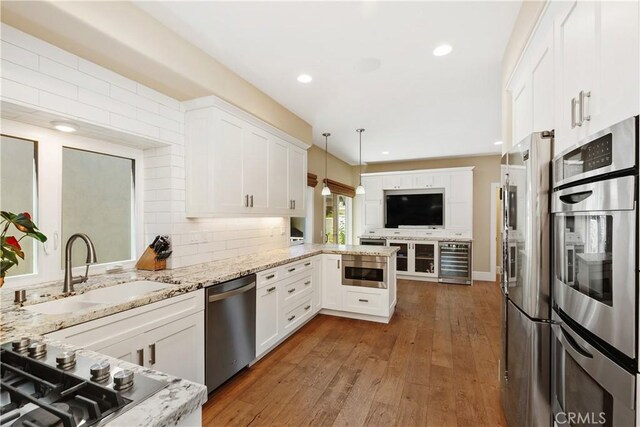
x=149, y=261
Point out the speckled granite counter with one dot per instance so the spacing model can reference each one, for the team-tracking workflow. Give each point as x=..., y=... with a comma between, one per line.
x=181, y=397
x=412, y=238
x=17, y=322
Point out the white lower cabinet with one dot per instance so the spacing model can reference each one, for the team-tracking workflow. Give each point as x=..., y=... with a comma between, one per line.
x=167, y=336
x=365, y=300
x=332, y=282
x=267, y=318
x=286, y=298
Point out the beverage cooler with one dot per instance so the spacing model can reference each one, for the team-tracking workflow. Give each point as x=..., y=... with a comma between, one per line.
x=455, y=263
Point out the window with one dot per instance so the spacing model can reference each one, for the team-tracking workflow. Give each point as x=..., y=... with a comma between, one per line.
x=97, y=199
x=83, y=185
x=18, y=184
x=337, y=219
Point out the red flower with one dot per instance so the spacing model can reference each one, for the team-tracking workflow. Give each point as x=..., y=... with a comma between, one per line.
x=27, y=215
x=22, y=227
x=13, y=242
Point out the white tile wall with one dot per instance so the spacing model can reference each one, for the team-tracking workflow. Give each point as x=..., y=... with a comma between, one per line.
x=39, y=75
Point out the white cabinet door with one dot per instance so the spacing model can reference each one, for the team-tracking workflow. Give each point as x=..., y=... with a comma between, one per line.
x=278, y=179
x=255, y=155
x=619, y=64
x=522, y=113
x=373, y=188
x=297, y=178
x=397, y=182
x=177, y=348
x=575, y=65
x=542, y=86
x=373, y=215
x=429, y=180
x=199, y=151
x=317, y=283
x=459, y=205
x=332, y=282
x=460, y=187
x=128, y=349
x=227, y=164
x=267, y=315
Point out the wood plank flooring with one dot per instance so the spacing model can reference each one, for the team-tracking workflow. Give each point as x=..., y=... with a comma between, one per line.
x=434, y=364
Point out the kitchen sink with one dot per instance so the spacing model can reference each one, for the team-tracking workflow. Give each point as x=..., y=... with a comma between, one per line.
x=98, y=297
x=122, y=293
x=62, y=306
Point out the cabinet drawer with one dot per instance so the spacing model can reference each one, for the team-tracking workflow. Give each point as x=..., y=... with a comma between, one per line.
x=266, y=290
x=295, y=315
x=267, y=277
x=293, y=290
x=297, y=267
x=365, y=303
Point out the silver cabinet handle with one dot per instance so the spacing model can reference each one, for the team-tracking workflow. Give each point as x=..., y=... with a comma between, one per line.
x=269, y=277
x=363, y=300
x=271, y=289
x=307, y=282
x=294, y=203
x=307, y=307
x=152, y=356
x=140, y=352
x=573, y=113
x=291, y=318
x=338, y=264
x=307, y=264
x=583, y=115
x=246, y=200
x=251, y=198
x=291, y=269
x=291, y=290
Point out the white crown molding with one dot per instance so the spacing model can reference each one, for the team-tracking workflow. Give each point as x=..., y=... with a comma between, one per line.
x=404, y=172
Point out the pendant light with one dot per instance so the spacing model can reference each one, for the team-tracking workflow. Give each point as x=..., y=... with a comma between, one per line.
x=325, y=187
x=360, y=188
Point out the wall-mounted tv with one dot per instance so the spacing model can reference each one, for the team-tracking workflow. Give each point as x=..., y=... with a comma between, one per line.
x=414, y=208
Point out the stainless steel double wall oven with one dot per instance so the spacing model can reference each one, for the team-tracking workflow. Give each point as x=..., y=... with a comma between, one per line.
x=595, y=277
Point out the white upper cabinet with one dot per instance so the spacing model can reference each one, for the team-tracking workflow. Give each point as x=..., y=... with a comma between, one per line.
x=396, y=182
x=297, y=179
x=531, y=89
x=372, y=207
x=255, y=173
x=237, y=165
x=373, y=187
x=278, y=182
x=597, y=67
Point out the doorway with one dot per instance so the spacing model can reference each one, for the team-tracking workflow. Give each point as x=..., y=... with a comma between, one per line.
x=337, y=219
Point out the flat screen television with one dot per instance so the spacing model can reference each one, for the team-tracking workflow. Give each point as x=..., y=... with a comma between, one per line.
x=414, y=209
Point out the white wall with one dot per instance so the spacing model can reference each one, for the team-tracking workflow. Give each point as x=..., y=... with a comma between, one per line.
x=42, y=79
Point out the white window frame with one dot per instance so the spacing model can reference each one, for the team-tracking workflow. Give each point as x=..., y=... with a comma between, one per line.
x=49, y=203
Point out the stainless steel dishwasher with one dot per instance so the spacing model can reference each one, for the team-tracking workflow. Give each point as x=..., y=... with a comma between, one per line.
x=230, y=329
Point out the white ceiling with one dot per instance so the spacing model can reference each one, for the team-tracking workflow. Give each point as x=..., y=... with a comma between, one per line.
x=415, y=105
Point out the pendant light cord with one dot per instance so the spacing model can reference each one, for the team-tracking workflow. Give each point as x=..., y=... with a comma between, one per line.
x=326, y=155
x=360, y=133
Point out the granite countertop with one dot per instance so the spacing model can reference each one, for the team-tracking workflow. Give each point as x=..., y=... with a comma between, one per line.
x=17, y=322
x=427, y=238
x=178, y=399
x=181, y=397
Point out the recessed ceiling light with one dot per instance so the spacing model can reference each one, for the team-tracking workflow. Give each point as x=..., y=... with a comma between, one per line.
x=497, y=143
x=442, y=50
x=385, y=153
x=304, y=78
x=63, y=127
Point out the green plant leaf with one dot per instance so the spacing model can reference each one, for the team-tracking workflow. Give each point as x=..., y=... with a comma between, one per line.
x=10, y=255
x=5, y=265
x=38, y=236
x=7, y=215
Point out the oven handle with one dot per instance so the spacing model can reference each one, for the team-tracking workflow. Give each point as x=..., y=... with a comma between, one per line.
x=611, y=376
x=574, y=344
x=573, y=198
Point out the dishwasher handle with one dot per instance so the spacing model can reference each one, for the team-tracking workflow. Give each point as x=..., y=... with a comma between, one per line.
x=223, y=295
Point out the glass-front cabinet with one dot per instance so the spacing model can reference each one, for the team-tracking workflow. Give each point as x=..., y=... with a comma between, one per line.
x=416, y=258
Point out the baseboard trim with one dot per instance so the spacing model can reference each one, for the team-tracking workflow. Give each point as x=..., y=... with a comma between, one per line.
x=358, y=316
x=484, y=276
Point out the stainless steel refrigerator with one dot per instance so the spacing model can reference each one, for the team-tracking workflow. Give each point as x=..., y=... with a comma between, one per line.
x=525, y=282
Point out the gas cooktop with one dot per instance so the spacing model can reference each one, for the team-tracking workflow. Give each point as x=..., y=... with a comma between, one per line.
x=43, y=385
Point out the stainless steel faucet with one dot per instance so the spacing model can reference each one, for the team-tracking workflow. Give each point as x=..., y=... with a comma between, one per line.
x=69, y=280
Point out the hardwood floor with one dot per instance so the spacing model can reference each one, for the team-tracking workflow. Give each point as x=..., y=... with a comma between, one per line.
x=434, y=364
